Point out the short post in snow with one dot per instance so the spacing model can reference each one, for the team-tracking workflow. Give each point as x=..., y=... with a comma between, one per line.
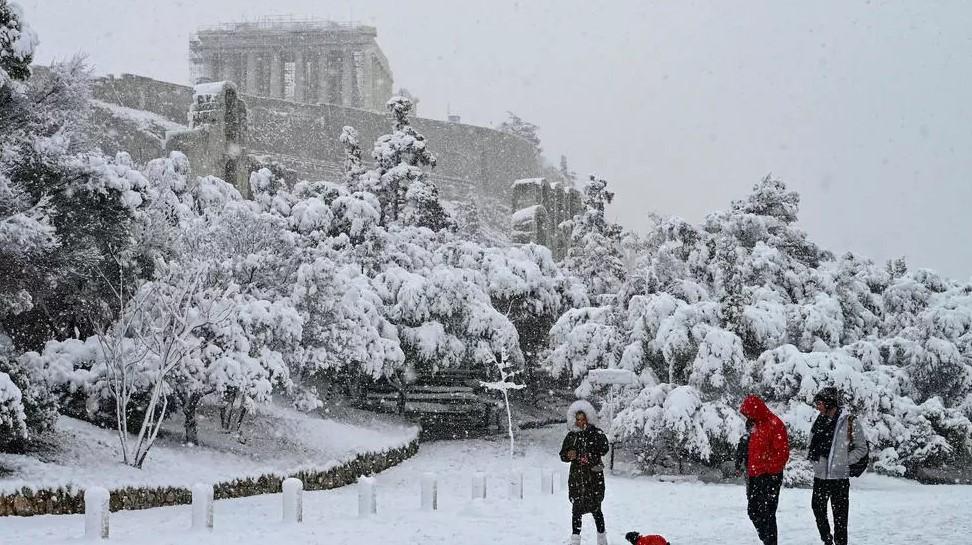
x=479, y=486
x=96, y=513
x=563, y=479
x=293, y=500
x=430, y=492
x=516, y=485
x=367, y=503
x=546, y=481
x=202, y=506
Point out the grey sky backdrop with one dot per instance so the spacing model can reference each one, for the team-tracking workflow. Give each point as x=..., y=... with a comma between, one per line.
x=864, y=107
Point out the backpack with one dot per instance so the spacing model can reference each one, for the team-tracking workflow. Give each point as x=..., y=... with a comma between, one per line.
x=859, y=467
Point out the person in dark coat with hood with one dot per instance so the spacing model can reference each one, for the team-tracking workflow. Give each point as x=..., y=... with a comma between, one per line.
x=768, y=452
x=583, y=448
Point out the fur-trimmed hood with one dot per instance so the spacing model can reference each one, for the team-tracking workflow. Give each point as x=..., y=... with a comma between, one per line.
x=581, y=406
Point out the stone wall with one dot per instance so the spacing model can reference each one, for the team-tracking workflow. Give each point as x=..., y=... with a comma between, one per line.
x=64, y=501
x=475, y=164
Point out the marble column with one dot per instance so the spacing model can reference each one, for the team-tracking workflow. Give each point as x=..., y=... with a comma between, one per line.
x=276, y=75
x=322, y=77
x=347, y=75
x=208, y=71
x=252, y=87
x=367, y=90
x=230, y=68
x=300, y=79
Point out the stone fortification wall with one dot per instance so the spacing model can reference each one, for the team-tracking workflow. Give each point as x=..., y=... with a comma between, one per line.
x=475, y=164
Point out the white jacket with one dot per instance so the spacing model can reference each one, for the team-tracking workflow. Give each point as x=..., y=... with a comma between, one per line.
x=837, y=464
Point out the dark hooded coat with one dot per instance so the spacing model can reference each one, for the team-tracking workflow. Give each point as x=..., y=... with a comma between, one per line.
x=585, y=486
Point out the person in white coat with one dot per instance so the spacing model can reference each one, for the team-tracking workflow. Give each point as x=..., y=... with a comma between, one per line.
x=837, y=442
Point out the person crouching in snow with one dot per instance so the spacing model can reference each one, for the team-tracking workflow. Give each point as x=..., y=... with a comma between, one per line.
x=637, y=539
x=768, y=452
x=583, y=448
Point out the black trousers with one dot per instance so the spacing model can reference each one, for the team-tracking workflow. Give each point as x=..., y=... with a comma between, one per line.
x=836, y=492
x=763, y=496
x=577, y=511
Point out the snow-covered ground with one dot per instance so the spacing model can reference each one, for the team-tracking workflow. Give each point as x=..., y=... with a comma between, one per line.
x=883, y=510
x=276, y=439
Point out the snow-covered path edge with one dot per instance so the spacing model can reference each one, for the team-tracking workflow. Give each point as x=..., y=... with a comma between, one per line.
x=884, y=510
x=332, y=474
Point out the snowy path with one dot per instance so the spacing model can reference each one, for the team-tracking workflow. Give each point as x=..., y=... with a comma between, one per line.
x=884, y=511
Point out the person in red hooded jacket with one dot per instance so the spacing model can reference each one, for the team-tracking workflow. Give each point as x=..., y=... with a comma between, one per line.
x=637, y=539
x=769, y=450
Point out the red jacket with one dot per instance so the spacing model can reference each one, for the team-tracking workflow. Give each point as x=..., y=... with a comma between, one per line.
x=652, y=540
x=769, y=447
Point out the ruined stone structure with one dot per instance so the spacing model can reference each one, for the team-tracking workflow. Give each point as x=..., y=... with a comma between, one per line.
x=311, y=61
x=280, y=90
x=475, y=164
x=539, y=208
x=216, y=139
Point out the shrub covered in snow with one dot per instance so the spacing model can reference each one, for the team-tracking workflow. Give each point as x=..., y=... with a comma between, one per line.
x=745, y=303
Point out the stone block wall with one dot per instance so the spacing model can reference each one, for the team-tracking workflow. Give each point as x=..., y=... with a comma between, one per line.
x=474, y=163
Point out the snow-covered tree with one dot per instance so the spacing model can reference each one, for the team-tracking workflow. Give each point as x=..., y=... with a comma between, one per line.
x=17, y=43
x=399, y=158
x=353, y=167
x=27, y=408
x=595, y=253
x=527, y=286
x=518, y=127
x=506, y=382
x=745, y=303
x=468, y=222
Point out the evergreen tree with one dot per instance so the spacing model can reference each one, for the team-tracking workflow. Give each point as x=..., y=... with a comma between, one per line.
x=524, y=129
x=353, y=167
x=399, y=157
x=17, y=43
x=406, y=193
x=595, y=254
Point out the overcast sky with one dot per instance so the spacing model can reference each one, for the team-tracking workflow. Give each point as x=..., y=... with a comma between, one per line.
x=864, y=107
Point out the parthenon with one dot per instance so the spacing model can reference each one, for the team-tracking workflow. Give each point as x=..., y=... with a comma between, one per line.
x=310, y=61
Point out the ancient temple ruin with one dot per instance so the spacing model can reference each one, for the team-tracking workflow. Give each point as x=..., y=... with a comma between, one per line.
x=309, y=61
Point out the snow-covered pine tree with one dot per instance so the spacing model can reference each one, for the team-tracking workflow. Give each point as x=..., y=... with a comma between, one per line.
x=353, y=167
x=595, y=254
x=399, y=158
x=746, y=303
x=516, y=126
x=17, y=43
x=468, y=224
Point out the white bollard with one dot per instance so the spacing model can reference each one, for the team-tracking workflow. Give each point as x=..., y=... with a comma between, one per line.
x=516, y=485
x=202, y=506
x=96, y=513
x=430, y=492
x=367, y=503
x=546, y=481
x=479, y=486
x=293, y=500
x=563, y=479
